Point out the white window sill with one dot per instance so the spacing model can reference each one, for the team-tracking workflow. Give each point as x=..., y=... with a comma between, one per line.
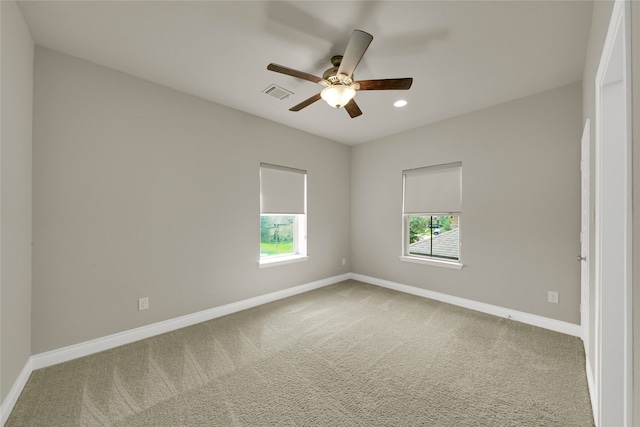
x=433, y=262
x=281, y=260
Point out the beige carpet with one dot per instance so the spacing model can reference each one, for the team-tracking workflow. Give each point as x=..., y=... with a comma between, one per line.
x=349, y=354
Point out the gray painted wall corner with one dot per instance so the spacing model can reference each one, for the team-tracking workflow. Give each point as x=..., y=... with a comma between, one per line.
x=521, y=187
x=15, y=195
x=141, y=190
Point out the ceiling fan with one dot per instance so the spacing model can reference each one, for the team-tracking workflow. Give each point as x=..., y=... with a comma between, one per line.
x=338, y=81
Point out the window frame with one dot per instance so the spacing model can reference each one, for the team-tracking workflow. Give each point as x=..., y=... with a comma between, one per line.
x=299, y=244
x=300, y=225
x=429, y=259
x=406, y=256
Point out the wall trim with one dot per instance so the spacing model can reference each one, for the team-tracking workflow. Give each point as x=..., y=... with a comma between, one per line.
x=86, y=348
x=519, y=316
x=11, y=399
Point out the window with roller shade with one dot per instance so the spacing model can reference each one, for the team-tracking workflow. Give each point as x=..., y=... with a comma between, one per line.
x=432, y=207
x=283, y=200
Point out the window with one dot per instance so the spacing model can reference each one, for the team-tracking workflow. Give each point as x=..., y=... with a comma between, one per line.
x=283, y=219
x=277, y=235
x=434, y=236
x=431, y=215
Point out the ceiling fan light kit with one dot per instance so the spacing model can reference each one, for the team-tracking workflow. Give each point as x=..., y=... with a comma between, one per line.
x=339, y=87
x=338, y=95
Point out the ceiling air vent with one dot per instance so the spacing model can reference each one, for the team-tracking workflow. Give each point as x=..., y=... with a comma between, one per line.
x=277, y=92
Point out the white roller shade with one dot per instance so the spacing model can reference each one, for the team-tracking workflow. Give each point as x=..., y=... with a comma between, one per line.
x=435, y=189
x=282, y=190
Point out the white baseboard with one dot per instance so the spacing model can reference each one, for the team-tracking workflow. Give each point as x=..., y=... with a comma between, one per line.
x=9, y=402
x=86, y=348
x=530, y=319
x=111, y=341
x=75, y=351
x=71, y=352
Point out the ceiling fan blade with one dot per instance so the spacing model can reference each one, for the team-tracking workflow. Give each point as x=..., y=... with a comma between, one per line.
x=385, y=84
x=353, y=109
x=305, y=103
x=357, y=46
x=295, y=73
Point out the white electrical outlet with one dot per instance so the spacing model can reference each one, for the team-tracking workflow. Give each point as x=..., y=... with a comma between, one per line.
x=552, y=297
x=344, y=261
x=143, y=303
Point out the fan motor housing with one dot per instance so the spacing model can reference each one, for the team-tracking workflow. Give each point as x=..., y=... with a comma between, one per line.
x=331, y=74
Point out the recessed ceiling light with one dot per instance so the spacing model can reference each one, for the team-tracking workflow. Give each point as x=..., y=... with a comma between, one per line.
x=400, y=103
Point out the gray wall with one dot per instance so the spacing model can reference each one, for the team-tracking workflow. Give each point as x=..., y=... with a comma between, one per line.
x=521, y=203
x=15, y=195
x=140, y=190
x=599, y=25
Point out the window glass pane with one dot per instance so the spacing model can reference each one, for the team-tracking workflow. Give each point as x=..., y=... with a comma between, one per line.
x=436, y=236
x=277, y=233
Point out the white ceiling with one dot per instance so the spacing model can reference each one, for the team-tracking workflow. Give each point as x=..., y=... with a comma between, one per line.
x=463, y=55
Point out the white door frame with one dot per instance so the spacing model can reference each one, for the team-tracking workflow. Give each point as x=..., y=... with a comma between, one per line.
x=613, y=228
x=585, y=219
x=586, y=331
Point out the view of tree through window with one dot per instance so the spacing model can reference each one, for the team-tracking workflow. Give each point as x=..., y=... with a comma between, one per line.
x=434, y=236
x=277, y=234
